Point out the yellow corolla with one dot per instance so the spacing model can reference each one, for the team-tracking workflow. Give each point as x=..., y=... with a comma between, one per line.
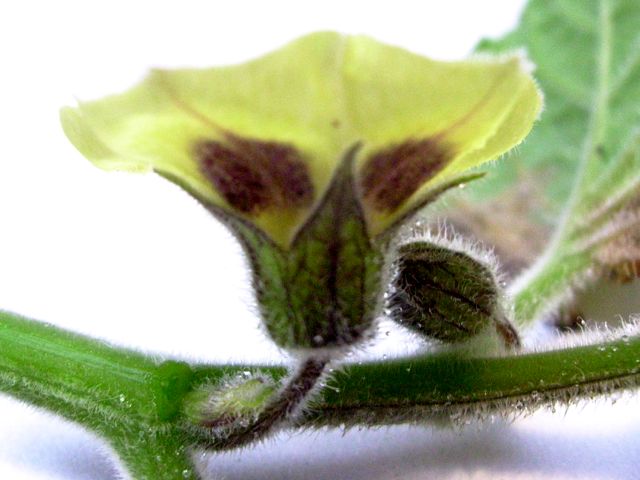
x=262, y=140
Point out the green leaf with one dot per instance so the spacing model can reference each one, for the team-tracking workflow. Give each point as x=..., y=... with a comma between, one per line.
x=583, y=156
x=588, y=67
x=262, y=140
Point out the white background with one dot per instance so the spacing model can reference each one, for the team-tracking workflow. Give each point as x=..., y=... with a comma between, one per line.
x=134, y=260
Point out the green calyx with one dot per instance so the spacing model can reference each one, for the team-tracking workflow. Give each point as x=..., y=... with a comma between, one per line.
x=448, y=294
x=322, y=291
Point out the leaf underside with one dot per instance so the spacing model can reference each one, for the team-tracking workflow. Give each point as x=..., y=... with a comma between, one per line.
x=578, y=173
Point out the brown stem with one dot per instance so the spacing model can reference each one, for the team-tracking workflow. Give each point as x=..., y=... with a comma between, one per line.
x=508, y=333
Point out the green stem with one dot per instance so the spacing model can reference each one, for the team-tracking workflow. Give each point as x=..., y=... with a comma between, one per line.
x=429, y=387
x=123, y=395
x=434, y=387
x=540, y=291
x=152, y=454
x=83, y=378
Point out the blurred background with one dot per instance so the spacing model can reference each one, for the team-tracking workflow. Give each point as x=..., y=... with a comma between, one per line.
x=135, y=261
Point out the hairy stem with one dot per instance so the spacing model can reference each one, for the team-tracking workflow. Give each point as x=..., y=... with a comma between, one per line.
x=544, y=287
x=83, y=378
x=281, y=408
x=433, y=387
x=126, y=397
x=152, y=453
x=430, y=388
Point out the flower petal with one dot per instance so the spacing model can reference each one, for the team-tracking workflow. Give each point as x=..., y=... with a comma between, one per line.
x=262, y=140
x=263, y=131
x=423, y=123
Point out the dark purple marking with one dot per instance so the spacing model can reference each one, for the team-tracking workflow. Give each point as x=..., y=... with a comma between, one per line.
x=391, y=176
x=253, y=175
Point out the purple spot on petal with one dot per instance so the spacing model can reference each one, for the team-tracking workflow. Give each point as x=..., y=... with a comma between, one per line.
x=253, y=175
x=390, y=176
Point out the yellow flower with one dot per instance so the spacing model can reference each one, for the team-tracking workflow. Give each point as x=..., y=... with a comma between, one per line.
x=309, y=155
x=262, y=140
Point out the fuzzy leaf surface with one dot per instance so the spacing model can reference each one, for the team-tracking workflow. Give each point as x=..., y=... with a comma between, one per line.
x=583, y=159
x=564, y=40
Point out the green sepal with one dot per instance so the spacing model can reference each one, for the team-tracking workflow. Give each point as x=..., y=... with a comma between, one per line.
x=445, y=294
x=322, y=291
